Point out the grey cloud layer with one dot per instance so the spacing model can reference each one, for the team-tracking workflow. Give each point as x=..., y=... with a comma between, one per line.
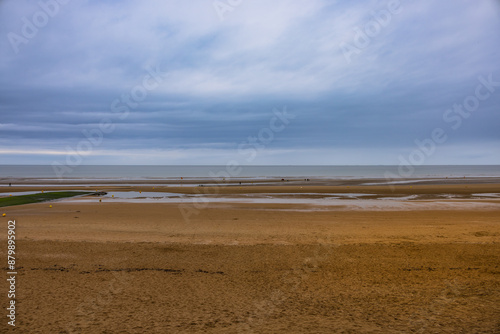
x=225, y=77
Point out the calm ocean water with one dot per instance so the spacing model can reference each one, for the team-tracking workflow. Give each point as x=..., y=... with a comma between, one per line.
x=145, y=172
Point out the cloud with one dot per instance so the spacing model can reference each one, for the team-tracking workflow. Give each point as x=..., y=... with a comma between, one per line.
x=224, y=78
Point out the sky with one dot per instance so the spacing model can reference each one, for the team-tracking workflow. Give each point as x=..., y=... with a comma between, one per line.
x=287, y=82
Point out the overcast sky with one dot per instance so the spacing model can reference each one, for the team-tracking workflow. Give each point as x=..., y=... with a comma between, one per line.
x=202, y=82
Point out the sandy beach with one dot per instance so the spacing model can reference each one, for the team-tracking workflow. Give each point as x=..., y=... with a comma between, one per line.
x=265, y=167
x=412, y=258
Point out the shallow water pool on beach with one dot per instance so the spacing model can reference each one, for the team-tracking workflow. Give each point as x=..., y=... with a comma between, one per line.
x=313, y=201
x=140, y=194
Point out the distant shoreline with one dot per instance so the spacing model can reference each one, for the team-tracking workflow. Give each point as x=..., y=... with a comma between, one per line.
x=174, y=172
x=196, y=181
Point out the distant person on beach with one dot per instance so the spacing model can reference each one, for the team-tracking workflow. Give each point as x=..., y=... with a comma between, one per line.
x=10, y=184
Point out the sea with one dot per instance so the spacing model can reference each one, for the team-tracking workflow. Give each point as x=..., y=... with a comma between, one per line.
x=138, y=172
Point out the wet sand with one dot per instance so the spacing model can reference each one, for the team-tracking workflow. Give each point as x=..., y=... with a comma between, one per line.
x=111, y=267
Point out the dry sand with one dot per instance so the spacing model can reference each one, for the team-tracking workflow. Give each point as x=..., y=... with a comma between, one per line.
x=116, y=267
